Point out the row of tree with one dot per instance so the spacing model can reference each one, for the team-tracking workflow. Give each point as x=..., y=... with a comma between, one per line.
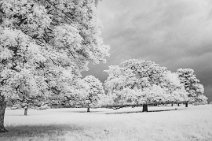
x=134, y=82
x=140, y=82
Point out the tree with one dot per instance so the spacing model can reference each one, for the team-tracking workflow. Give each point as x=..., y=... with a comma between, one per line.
x=151, y=95
x=94, y=91
x=193, y=87
x=135, y=74
x=20, y=72
x=44, y=45
x=145, y=82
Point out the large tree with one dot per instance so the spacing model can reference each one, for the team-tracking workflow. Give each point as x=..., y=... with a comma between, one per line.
x=138, y=81
x=44, y=45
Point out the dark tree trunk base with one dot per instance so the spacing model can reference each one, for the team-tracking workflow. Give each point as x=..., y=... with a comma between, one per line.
x=186, y=104
x=2, y=113
x=88, y=110
x=25, y=111
x=178, y=104
x=145, y=108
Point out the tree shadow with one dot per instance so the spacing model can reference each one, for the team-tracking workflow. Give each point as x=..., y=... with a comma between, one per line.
x=165, y=110
x=85, y=111
x=150, y=111
x=40, y=131
x=81, y=111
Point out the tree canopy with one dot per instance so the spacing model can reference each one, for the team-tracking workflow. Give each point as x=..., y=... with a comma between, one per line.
x=137, y=81
x=46, y=44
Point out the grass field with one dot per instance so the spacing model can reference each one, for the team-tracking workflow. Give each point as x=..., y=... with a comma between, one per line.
x=128, y=124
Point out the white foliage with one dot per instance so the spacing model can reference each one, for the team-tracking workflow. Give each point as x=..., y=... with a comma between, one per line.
x=45, y=45
x=172, y=78
x=124, y=96
x=192, y=85
x=94, y=90
x=138, y=81
x=35, y=16
x=154, y=94
x=68, y=37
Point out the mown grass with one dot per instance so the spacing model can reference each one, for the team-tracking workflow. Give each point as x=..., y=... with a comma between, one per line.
x=127, y=124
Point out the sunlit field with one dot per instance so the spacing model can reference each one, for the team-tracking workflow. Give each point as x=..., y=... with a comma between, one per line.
x=128, y=124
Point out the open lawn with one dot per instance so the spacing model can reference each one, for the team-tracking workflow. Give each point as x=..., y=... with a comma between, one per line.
x=128, y=124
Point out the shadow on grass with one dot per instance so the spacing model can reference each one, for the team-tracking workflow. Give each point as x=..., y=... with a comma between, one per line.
x=80, y=111
x=85, y=112
x=150, y=111
x=40, y=131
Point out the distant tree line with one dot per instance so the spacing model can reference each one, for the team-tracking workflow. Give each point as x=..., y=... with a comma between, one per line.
x=134, y=82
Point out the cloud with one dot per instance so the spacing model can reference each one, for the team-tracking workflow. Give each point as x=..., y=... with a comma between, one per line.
x=174, y=33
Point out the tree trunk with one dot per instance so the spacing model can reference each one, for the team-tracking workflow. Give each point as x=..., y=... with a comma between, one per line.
x=186, y=104
x=145, y=108
x=172, y=104
x=25, y=111
x=2, y=113
x=178, y=104
x=88, y=109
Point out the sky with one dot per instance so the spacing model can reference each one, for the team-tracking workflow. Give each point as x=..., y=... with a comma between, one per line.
x=173, y=33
